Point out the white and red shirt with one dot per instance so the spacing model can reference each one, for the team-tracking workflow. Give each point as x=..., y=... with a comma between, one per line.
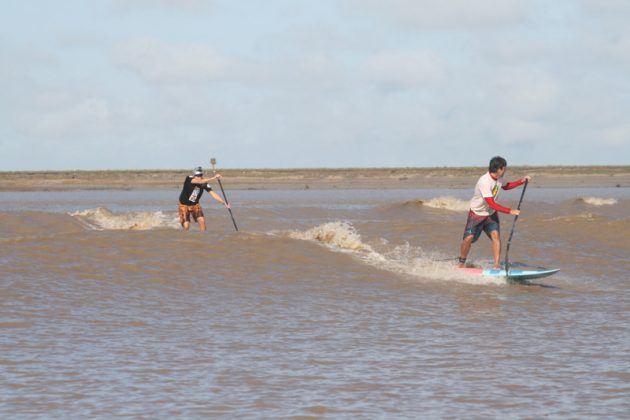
x=486, y=191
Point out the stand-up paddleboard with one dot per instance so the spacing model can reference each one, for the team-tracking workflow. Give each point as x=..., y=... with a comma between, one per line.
x=518, y=272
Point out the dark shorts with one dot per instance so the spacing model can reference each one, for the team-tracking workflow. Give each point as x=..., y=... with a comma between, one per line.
x=475, y=224
x=185, y=212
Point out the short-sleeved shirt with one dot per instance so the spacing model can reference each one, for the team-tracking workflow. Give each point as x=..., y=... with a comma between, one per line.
x=191, y=193
x=486, y=187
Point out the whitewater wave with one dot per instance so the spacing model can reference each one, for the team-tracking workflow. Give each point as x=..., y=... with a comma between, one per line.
x=447, y=203
x=441, y=203
x=341, y=235
x=405, y=259
x=104, y=219
x=596, y=201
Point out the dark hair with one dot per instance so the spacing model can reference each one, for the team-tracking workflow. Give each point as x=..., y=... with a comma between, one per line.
x=496, y=163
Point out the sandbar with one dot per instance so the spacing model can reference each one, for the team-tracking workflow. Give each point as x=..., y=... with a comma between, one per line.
x=316, y=178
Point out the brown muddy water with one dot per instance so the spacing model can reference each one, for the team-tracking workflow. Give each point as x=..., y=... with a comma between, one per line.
x=337, y=304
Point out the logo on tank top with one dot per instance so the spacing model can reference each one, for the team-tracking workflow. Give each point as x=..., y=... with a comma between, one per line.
x=195, y=194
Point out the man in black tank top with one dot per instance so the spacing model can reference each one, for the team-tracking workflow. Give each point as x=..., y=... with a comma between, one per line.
x=194, y=186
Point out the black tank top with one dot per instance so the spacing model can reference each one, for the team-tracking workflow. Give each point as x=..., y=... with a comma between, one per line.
x=191, y=193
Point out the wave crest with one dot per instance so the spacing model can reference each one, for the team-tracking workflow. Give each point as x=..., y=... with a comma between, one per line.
x=104, y=219
x=448, y=203
x=405, y=259
x=589, y=217
x=596, y=201
x=340, y=235
x=440, y=203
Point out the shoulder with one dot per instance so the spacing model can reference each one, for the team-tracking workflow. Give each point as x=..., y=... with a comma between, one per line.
x=484, y=179
x=485, y=184
x=196, y=181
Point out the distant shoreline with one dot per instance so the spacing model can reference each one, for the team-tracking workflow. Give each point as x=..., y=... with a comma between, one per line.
x=294, y=179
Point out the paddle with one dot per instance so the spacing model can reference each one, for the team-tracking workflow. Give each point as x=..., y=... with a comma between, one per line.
x=507, y=249
x=213, y=162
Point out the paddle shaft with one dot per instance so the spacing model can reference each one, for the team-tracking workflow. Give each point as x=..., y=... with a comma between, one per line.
x=224, y=196
x=226, y=202
x=507, y=248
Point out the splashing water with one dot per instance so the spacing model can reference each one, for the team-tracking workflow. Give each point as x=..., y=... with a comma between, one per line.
x=103, y=219
x=340, y=235
x=404, y=259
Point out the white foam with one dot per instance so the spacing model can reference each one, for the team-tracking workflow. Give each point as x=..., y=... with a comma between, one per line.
x=103, y=219
x=596, y=201
x=340, y=235
x=447, y=203
x=405, y=259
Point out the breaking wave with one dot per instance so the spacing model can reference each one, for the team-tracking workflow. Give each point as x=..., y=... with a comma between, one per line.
x=104, y=219
x=448, y=203
x=441, y=203
x=340, y=235
x=404, y=259
x=596, y=201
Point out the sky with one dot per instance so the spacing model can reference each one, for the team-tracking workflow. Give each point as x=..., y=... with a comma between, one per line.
x=167, y=84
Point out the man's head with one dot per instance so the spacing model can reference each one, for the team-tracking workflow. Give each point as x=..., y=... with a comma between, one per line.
x=198, y=171
x=496, y=163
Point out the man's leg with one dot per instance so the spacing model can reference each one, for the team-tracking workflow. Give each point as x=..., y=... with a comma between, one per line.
x=184, y=217
x=197, y=213
x=465, y=249
x=496, y=248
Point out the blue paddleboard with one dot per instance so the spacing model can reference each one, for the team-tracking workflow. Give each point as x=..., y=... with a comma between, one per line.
x=518, y=271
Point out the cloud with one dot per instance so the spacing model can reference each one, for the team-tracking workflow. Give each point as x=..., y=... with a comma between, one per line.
x=431, y=14
x=393, y=82
x=619, y=8
x=159, y=62
x=610, y=48
x=405, y=68
x=526, y=94
x=60, y=116
x=614, y=135
x=182, y=6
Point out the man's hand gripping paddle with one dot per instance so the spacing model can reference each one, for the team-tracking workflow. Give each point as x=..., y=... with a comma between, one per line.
x=507, y=249
x=213, y=162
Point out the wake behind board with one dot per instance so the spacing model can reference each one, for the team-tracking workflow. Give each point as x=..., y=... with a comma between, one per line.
x=518, y=272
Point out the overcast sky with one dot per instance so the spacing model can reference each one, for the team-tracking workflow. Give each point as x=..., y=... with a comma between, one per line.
x=150, y=84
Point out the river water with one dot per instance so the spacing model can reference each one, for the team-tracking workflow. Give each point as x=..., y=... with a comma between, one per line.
x=325, y=303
